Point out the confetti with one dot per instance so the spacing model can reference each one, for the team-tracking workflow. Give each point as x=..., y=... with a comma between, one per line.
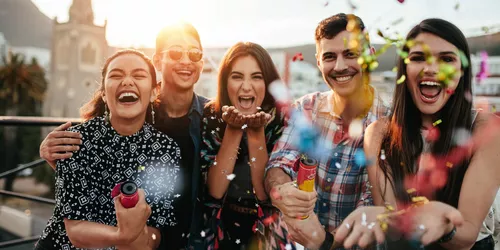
x=437, y=122
x=356, y=128
x=177, y=195
x=463, y=59
x=401, y=1
x=237, y=224
x=347, y=225
x=288, y=247
x=298, y=56
x=279, y=91
x=431, y=134
x=141, y=168
x=450, y=91
x=338, y=165
x=244, y=126
x=483, y=68
x=215, y=163
x=253, y=159
x=457, y=6
x=401, y=79
x=202, y=234
x=238, y=241
x=461, y=136
x=363, y=219
x=360, y=158
x=230, y=177
x=261, y=148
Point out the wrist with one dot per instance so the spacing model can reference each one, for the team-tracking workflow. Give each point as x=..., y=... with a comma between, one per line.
x=448, y=236
x=328, y=240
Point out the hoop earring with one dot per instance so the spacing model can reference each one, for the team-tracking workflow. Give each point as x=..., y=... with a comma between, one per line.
x=152, y=114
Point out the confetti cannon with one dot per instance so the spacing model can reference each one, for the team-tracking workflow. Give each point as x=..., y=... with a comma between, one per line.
x=128, y=190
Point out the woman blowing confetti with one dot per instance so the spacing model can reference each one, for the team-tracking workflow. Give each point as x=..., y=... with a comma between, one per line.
x=117, y=145
x=239, y=130
x=435, y=145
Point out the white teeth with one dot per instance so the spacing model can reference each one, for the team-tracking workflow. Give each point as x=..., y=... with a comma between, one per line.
x=184, y=72
x=246, y=98
x=124, y=94
x=429, y=83
x=343, y=78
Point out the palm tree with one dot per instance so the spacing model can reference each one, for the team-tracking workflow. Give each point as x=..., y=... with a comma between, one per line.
x=21, y=85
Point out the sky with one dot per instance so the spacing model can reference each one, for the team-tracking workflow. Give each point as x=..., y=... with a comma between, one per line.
x=271, y=23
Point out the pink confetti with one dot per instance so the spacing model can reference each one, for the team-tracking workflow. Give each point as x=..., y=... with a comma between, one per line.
x=275, y=194
x=298, y=56
x=431, y=134
x=401, y=1
x=483, y=68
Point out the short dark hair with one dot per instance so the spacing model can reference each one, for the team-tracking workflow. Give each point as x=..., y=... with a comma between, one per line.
x=330, y=27
x=176, y=30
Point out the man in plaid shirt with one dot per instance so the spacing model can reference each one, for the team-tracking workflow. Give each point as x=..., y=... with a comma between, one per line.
x=341, y=180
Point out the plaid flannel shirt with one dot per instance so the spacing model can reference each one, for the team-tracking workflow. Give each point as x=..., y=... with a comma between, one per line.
x=341, y=184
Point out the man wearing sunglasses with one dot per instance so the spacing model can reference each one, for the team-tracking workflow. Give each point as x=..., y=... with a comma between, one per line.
x=179, y=59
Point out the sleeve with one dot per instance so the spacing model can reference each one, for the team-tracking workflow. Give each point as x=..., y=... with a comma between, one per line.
x=73, y=189
x=211, y=138
x=284, y=155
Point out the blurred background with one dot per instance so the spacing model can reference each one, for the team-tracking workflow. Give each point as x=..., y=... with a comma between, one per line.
x=52, y=52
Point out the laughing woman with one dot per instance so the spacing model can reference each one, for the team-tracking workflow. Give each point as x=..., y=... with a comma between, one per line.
x=117, y=145
x=239, y=130
x=459, y=171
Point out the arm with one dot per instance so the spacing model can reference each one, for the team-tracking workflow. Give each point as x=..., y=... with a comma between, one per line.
x=381, y=189
x=79, y=233
x=482, y=177
x=224, y=162
x=279, y=175
x=59, y=144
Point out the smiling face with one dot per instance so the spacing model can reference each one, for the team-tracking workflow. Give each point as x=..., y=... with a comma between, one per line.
x=128, y=88
x=339, y=65
x=245, y=85
x=426, y=90
x=181, y=62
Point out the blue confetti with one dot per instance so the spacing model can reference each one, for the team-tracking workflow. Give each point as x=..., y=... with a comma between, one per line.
x=360, y=158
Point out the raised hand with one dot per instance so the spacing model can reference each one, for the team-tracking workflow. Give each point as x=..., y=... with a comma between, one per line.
x=131, y=221
x=233, y=117
x=258, y=120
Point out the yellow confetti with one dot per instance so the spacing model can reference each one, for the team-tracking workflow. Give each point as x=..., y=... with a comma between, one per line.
x=401, y=79
x=437, y=123
x=407, y=60
x=449, y=164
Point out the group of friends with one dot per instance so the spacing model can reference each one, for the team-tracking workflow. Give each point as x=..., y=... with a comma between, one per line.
x=220, y=174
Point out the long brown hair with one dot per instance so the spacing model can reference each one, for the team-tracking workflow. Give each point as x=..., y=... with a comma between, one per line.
x=269, y=72
x=403, y=142
x=95, y=107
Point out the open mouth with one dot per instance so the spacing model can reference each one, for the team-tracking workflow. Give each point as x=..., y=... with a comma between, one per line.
x=128, y=97
x=430, y=91
x=246, y=102
x=185, y=74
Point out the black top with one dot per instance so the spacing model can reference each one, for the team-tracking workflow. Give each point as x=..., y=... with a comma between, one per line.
x=84, y=182
x=178, y=129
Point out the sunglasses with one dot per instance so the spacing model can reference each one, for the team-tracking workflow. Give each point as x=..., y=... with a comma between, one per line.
x=176, y=54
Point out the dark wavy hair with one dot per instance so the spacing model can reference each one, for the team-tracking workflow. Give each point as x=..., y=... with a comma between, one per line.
x=403, y=142
x=95, y=107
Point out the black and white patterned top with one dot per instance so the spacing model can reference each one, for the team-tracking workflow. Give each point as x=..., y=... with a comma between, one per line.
x=84, y=182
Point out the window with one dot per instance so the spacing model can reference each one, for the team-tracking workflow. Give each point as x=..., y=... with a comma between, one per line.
x=88, y=54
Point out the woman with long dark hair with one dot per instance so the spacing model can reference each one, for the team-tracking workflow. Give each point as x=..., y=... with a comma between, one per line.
x=433, y=140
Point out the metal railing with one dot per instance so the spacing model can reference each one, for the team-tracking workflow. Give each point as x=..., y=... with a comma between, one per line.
x=28, y=121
